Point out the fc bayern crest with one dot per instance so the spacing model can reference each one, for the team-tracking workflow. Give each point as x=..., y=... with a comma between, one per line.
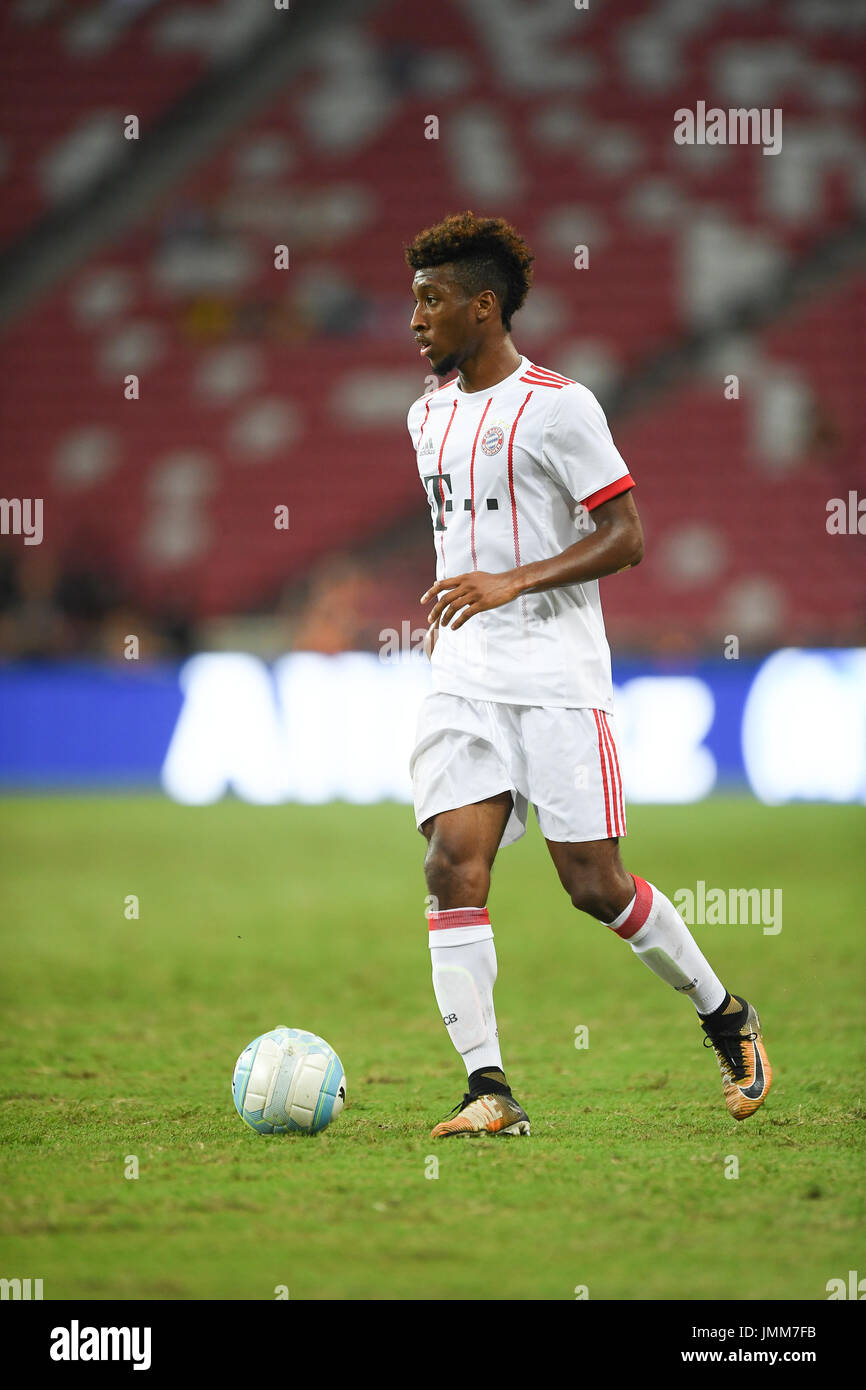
x=493, y=440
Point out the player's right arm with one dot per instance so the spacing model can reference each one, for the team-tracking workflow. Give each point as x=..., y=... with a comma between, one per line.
x=616, y=544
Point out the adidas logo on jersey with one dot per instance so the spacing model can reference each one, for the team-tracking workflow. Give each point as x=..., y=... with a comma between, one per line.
x=428, y=447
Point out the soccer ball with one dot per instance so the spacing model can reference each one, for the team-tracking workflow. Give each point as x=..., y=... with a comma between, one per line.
x=288, y=1080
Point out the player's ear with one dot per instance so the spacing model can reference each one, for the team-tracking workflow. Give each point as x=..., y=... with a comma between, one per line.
x=485, y=304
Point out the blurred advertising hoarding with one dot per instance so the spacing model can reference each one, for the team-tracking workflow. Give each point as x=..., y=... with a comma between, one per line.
x=310, y=728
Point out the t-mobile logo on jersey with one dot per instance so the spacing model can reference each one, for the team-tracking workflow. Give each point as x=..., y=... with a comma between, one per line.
x=436, y=485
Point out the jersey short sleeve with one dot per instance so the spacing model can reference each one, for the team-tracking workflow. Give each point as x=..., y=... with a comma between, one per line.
x=578, y=450
x=418, y=418
x=414, y=419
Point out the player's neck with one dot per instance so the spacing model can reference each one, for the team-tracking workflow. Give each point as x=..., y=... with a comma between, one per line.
x=490, y=365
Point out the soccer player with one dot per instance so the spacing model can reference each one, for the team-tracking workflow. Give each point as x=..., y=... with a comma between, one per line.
x=531, y=505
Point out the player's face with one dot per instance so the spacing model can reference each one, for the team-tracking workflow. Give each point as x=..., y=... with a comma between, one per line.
x=442, y=322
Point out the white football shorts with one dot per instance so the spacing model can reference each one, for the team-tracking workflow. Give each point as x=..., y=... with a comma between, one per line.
x=565, y=762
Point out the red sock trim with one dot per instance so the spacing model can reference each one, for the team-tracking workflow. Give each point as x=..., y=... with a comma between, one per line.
x=641, y=910
x=459, y=917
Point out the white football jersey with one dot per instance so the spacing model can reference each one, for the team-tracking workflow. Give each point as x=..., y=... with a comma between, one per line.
x=512, y=474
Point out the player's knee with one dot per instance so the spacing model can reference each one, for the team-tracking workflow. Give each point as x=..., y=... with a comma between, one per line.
x=599, y=895
x=456, y=877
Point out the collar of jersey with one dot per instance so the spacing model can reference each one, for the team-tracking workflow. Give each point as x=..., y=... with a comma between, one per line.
x=488, y=391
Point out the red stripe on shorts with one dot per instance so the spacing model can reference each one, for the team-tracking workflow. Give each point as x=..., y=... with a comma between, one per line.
x=602, y=760
x=614, y=789
x=620, y=804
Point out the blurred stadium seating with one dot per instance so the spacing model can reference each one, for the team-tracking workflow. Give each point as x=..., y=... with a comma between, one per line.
x=261, y=387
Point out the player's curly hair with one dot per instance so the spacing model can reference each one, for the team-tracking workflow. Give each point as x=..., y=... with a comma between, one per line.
x=487, y=254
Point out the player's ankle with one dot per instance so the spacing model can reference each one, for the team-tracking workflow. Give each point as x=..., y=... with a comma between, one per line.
x=488, y=1081
x=723, y=1008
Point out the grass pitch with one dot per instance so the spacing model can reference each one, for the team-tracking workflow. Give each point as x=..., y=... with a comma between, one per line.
x=119, y=1038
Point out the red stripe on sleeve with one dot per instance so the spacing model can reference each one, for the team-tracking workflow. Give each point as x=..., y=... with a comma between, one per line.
x=551, y=376
x=544, y=381
x=606, y=493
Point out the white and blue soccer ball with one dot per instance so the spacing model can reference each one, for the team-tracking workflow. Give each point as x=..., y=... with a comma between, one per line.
x=288, y=1080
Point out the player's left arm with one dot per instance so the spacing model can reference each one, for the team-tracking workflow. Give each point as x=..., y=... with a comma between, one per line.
x=615, y=544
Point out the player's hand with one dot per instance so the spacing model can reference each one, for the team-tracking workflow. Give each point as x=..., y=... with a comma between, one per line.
x=468, y=594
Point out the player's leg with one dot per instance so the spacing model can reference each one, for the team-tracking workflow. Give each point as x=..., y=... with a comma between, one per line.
x=469, y=801
x=593, y=875
x=576, y=786
x=461, y=847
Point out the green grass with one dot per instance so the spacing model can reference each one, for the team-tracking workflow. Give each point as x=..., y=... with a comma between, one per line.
x=119, y=1038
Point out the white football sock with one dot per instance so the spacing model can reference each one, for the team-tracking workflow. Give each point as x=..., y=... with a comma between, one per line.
x=657, y=933
x=464, y=973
